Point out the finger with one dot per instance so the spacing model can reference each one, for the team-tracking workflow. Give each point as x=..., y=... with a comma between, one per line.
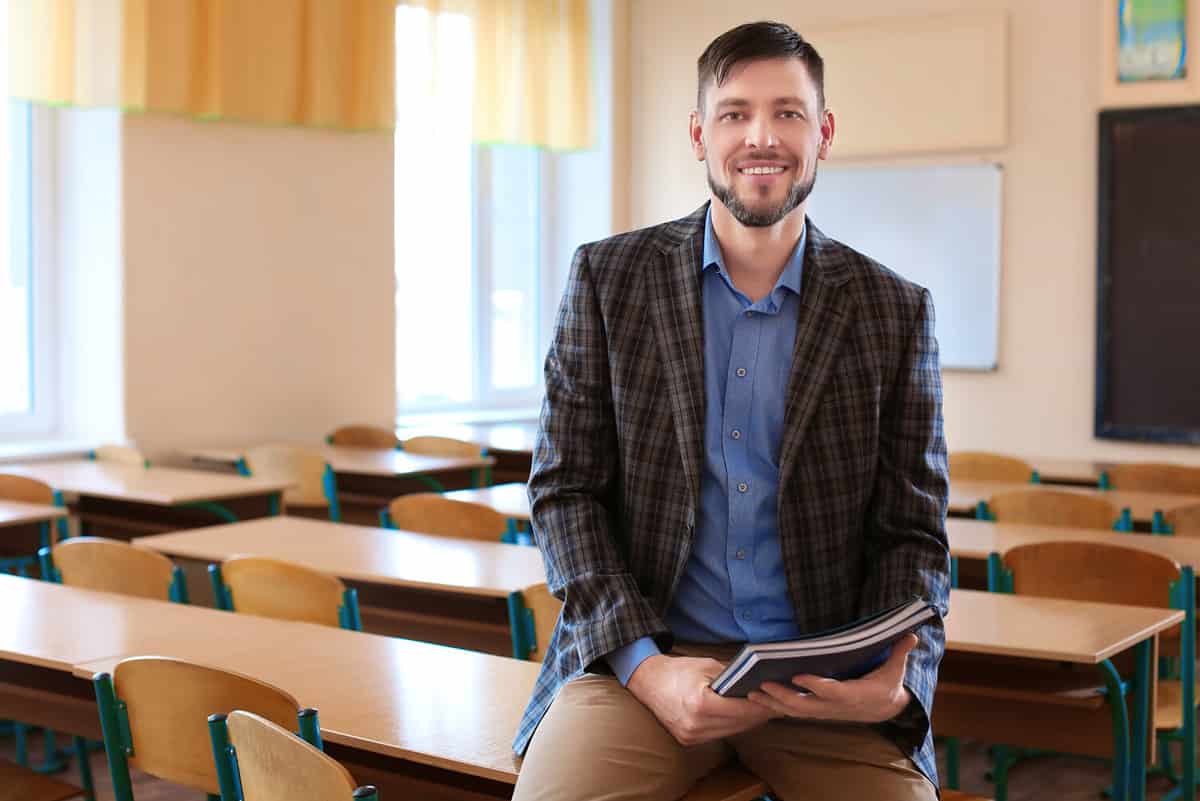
x=817, y=685
x=794, y=705
x=898, y=659
x=717, y=707
x=769, y=704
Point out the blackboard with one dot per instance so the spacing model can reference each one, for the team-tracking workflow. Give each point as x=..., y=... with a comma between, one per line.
x=1148, y=298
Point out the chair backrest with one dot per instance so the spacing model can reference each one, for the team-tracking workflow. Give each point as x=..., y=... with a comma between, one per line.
x=273, y=764
x=96, y=563
x=166, y=704
x=28, y=490
x=1092, y=571
x=278, y=589
x=442, y=446
x=430, y=513
x=985, y=466
x=1154, y=477
x=533, y=613
x=120, y=454
x=1053, y=508
x=361, y=436
x=1185, y=520
x=304, y=467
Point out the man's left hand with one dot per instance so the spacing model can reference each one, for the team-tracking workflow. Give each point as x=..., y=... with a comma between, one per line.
x=878, y=696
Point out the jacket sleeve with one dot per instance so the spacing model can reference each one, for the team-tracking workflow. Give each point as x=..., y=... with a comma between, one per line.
x=907, y=551
x=574, y=485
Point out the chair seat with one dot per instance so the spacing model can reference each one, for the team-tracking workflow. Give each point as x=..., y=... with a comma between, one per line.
x=1168, y=704
x=958, y=795
x=22, y=784
x=729, y=783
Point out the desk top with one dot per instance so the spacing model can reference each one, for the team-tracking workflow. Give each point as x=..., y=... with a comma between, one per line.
x=361, y=461
x=361, y=553
x=510, y=500
x=975, y=539
x=965, y=496
x=162, y=486
x=16, y=513
x=1048, y=628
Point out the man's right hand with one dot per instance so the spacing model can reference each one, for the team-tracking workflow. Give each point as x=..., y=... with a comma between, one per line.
x=676, y=689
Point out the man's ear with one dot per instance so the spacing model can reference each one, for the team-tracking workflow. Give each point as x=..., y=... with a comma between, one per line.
x=828, y=126
x=696, y=134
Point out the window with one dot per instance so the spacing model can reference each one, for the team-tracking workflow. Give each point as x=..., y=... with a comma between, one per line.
x=470, y=295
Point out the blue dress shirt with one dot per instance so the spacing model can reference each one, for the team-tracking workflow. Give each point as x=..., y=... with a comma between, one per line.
x=733, y=588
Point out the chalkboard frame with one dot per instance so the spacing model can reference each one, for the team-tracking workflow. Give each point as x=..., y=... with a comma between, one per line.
x=1104, y=427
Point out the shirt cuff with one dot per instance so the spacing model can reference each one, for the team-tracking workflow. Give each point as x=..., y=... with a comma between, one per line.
x=626, y=659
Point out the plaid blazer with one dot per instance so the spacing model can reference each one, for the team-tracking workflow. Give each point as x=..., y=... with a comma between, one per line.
x=616, y=467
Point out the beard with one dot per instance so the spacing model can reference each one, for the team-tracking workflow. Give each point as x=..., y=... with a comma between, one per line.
x=761, y=218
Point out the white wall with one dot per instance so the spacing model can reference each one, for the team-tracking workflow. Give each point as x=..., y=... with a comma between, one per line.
x=259, y=289
x=1040, y=401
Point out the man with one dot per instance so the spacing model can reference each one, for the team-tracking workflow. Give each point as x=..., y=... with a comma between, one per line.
x=741, y=441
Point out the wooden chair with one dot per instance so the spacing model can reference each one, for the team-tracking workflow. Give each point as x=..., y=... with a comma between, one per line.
x=314, y=486
x=1154, y=477
x=532, y=615
x=30, y=490
x=1184, y=520
x=154, y=713
x=119, y=454
x=430, y=513
x=1052, y=508
x=363, y=436
x=95, y=563
x=266, y=762
x=285, y=591
x=986, y=466
x=1113, y=573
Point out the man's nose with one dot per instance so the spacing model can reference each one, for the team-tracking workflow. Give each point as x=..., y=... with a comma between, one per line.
x=760, y=133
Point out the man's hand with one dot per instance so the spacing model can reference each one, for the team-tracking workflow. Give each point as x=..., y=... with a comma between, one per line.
x=676, y=690
x=878, y=696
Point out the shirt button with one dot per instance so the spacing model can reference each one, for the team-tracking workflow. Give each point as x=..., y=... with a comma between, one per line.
x=743, y=487
x=741, y=372
x=749, y=314
x=746, y=615
x=741, y=553
x=735, y=434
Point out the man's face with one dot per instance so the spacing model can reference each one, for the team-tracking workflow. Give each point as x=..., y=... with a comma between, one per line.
x=760, y=135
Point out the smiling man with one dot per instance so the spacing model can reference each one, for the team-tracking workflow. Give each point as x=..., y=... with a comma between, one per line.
x=741, y=442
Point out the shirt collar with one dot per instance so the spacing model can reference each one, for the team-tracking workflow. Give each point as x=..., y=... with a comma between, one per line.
x=788, y=279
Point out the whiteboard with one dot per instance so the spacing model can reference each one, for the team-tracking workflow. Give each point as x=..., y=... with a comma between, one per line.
x=938, y=226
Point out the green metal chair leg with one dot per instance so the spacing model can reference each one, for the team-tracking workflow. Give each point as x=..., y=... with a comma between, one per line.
x=21, y=744
x=52, y=758
x=953, y=748
x=85, y=768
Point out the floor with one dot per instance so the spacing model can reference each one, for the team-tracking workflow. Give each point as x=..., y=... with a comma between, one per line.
x=1040, y=779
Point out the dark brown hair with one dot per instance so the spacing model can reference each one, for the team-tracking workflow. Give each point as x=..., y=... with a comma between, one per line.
x=751, y=42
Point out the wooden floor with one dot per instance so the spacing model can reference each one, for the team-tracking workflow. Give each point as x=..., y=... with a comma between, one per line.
x=1041, y=779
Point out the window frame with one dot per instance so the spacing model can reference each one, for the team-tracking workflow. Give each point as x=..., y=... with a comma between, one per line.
x=43, y=417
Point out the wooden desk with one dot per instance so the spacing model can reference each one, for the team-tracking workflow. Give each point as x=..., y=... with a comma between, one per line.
x=16, y=513
x=966, y=495
x=990, y=636
x=421, y=720
x=510, y=500
x=120, y=500
x=976, y=539
x=510, y=442
x=436, y=589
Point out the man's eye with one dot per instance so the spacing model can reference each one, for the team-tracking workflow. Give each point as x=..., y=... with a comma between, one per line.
x=731, y=115
x=791, y=115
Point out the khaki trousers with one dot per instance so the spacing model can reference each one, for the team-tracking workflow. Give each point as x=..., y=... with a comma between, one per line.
x=599, y=743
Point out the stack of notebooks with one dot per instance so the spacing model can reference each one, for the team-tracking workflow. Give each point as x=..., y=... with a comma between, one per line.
x=842, y=653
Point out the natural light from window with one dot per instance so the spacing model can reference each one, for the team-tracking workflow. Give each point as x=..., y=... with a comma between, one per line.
x=468, y=237
x=15, y=364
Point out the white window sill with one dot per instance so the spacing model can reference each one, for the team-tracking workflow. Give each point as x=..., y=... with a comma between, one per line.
x=38, y=450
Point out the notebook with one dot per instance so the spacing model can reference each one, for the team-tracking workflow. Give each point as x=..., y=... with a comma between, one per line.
x=846, y=652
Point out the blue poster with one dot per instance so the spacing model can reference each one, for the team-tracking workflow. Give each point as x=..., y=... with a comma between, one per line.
x=1153, y=40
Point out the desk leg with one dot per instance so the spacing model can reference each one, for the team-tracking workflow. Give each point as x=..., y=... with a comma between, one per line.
x=1140, y=729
